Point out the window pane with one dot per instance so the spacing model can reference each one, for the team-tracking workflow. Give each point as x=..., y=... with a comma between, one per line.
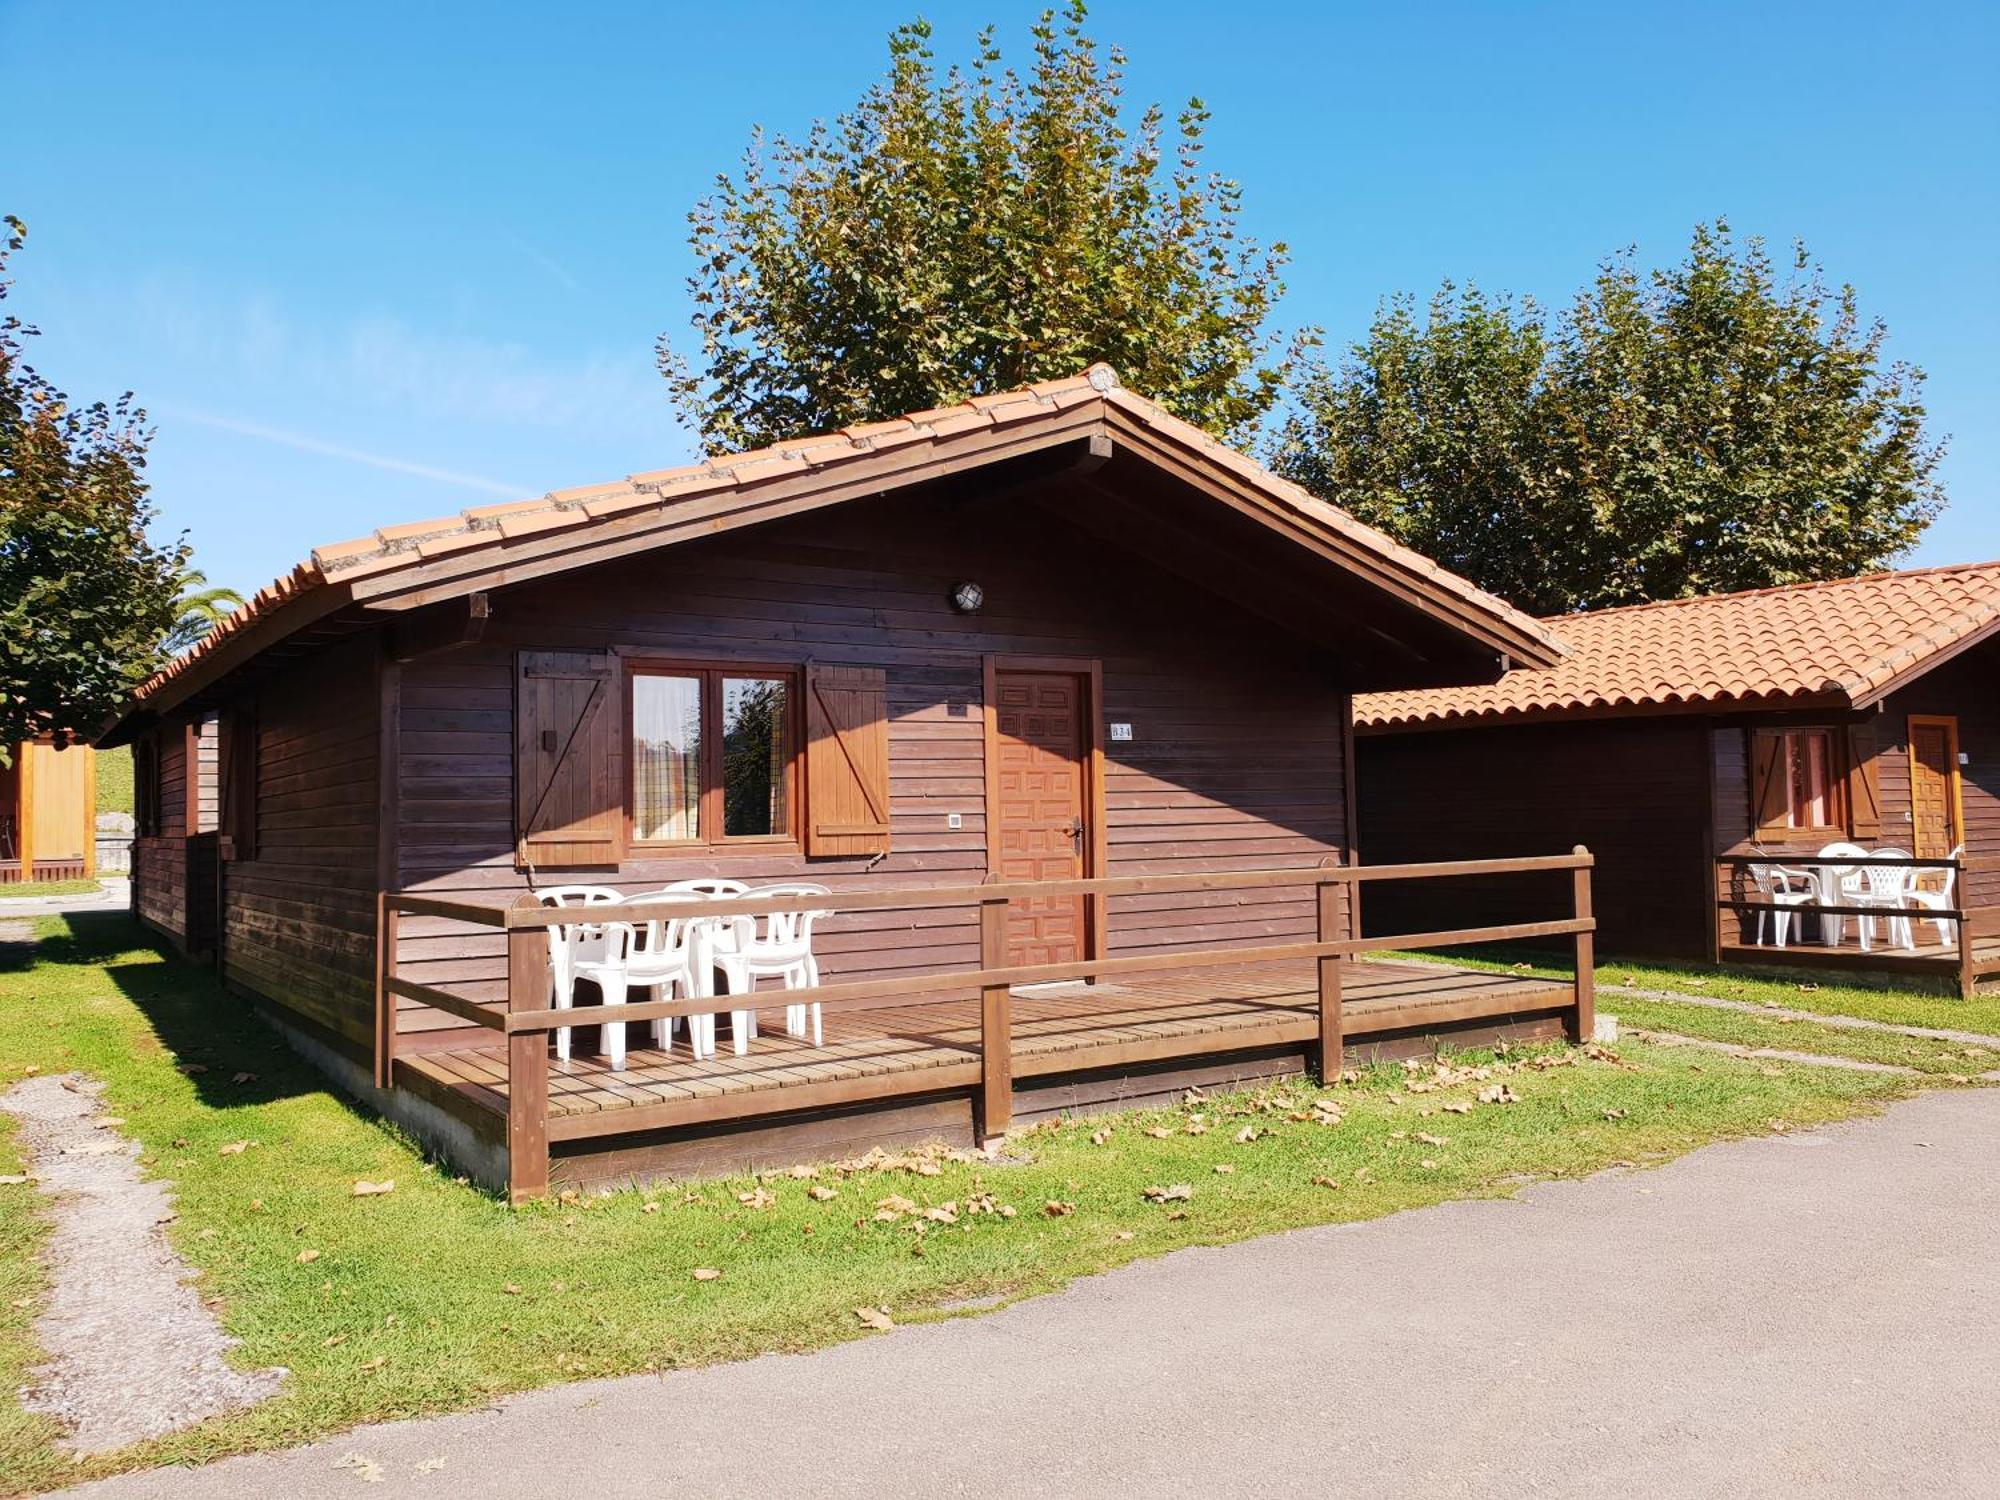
x=754, y=753
x=1809, y=754
x=666, y=757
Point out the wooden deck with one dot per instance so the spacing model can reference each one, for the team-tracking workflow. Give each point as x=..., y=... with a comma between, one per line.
x=1929, y=958
x=1057, y=1029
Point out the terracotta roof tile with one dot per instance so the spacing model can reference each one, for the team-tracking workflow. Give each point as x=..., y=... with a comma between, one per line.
x=1847, y=638
x=396, y=547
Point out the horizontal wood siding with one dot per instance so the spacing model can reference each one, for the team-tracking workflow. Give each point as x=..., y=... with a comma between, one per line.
x=1235, y=760
x=1631, y=791
x=1964, y=688
x=299, y=918
x=159, y=886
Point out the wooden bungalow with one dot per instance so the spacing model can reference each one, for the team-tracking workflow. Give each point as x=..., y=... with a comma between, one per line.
x=1695, y=744
x=1050, y=689
x=48, y=813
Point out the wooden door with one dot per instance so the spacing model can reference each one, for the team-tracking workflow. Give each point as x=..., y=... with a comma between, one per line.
x=1037, y=792
x=1934, y=796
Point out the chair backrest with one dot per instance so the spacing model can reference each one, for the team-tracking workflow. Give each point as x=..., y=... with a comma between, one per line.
x=656, y=937
x=1889, y=880
x=1844, y=878
x=786, y=928
x=1768, y=879
x=561, y=939
x=1949, y=873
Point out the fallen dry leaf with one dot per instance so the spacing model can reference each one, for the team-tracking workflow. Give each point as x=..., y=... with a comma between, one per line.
x=943, y=1213
x=1180, y=1192
x=511, y=1289
x=244, y=1078
x=875, y=1317
x=363, y=1467
x=1099, y=1137
x=428, y=1465
x=1457, y=1107
x=1223, y=1166
x=307, y=1257
x=333, y=1341
x=1056, y=1209
x=650, y=1208
x=1498, y=1093
x=373, y=1189
x=1246, y=1135
x=1428, y=1165
x=376, y=1363
x=1159, y=1132
x=706, y=1273
x=1614, y=1114
x=1433, y=1140
x=12, y=1179
x=821, y=1192
x=1324, y=1181
x=760, y=1199
x=235, y=1148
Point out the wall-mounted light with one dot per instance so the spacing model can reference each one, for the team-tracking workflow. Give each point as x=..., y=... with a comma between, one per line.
x=967, y=597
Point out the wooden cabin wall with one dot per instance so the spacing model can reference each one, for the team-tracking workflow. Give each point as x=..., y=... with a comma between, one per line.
x=1633, y=791
x=1236, y=760
x=160, y=861
x=1963, y=688
x=299, y=913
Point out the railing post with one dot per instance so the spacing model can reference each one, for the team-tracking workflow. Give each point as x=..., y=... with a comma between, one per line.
x=527, y=1067
x=1583, y=1025
x=1968, y=972
x=1332, y=1038
x=996, y=1043
x=385, y=1003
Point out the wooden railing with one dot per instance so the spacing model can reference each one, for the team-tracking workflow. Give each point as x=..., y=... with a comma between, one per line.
x=527, y=1018
x=1969, y=923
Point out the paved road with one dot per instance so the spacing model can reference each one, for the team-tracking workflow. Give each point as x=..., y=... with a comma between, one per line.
x=1817, y=1314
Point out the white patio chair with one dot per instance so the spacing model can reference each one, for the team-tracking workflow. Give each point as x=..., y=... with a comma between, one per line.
x=656, y=954
x=571, y=942
x=1925, y=899
x=1887, y=887
x=1839, y=885
x=726, y=935
x=1784, y=889
x=783, y=950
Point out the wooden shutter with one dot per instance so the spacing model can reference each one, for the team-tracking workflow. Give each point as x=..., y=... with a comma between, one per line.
x=1770, y=780
x=1864, y=795
x=569, y=808
x=145, y=787
x=847, y=760
x=237, y=760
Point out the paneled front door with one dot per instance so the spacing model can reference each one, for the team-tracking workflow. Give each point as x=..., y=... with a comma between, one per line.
x=1934, y=803
x=1037, y=792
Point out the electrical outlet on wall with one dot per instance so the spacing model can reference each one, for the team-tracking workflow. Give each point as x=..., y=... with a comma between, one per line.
x=954, y=820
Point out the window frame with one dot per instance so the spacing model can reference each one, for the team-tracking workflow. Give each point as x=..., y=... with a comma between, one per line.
x=709, y=814
x=1839, y=766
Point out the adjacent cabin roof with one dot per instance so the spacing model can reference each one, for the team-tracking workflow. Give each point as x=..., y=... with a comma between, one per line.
x=1846, y=643
x=418, y=563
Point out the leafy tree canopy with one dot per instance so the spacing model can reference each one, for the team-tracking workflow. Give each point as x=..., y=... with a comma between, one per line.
x=86, y=597
x=1712, y=426
x=971, y=231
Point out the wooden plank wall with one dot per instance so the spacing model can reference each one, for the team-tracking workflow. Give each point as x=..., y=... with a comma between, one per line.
x=159, y=862
x=1236, y=760
x=299, y=918
x=1965, y=688
x=1631, y=790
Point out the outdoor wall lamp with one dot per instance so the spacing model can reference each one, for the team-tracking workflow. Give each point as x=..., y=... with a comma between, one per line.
x=967, y=597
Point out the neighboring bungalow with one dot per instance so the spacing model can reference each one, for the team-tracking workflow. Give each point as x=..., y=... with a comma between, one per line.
x=1054, y=635
x=1695, y=744
x=48, y=813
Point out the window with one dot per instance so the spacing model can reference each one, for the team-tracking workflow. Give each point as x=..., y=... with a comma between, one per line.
x=1801, y=781
x=712, y=752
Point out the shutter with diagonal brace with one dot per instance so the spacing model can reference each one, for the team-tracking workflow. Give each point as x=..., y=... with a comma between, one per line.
x=569, y=810
x=847, y=760
x=1769, y=782
x=1864, y=795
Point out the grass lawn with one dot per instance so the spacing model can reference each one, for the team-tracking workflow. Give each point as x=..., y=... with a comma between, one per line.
x=437, y=1296
x=28, y=889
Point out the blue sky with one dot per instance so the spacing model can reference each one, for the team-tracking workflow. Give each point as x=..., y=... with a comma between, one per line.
x=368, y=263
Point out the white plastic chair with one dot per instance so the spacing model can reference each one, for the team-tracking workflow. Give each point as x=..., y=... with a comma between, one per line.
x=570, y=943
x=1784, y=889
x=1938, y=900
x=726, y=935
x=1840, y=885
x=1886, y=887
x=654, y=954
x=783, y=950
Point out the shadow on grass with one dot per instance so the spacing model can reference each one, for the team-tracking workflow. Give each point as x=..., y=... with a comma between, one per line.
x=213, y=1036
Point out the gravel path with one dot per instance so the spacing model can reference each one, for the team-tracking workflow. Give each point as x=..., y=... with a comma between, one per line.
x=132, y=1352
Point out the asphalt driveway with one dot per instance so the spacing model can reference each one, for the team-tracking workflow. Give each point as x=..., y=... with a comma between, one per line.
x=1813, y=1314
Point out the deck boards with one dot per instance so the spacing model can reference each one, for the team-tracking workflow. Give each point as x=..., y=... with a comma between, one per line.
x=1057, y=1029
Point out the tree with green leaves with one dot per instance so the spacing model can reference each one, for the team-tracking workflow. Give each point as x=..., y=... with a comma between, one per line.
x=1712, y=426
x=970, y=231
x=86, y=597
